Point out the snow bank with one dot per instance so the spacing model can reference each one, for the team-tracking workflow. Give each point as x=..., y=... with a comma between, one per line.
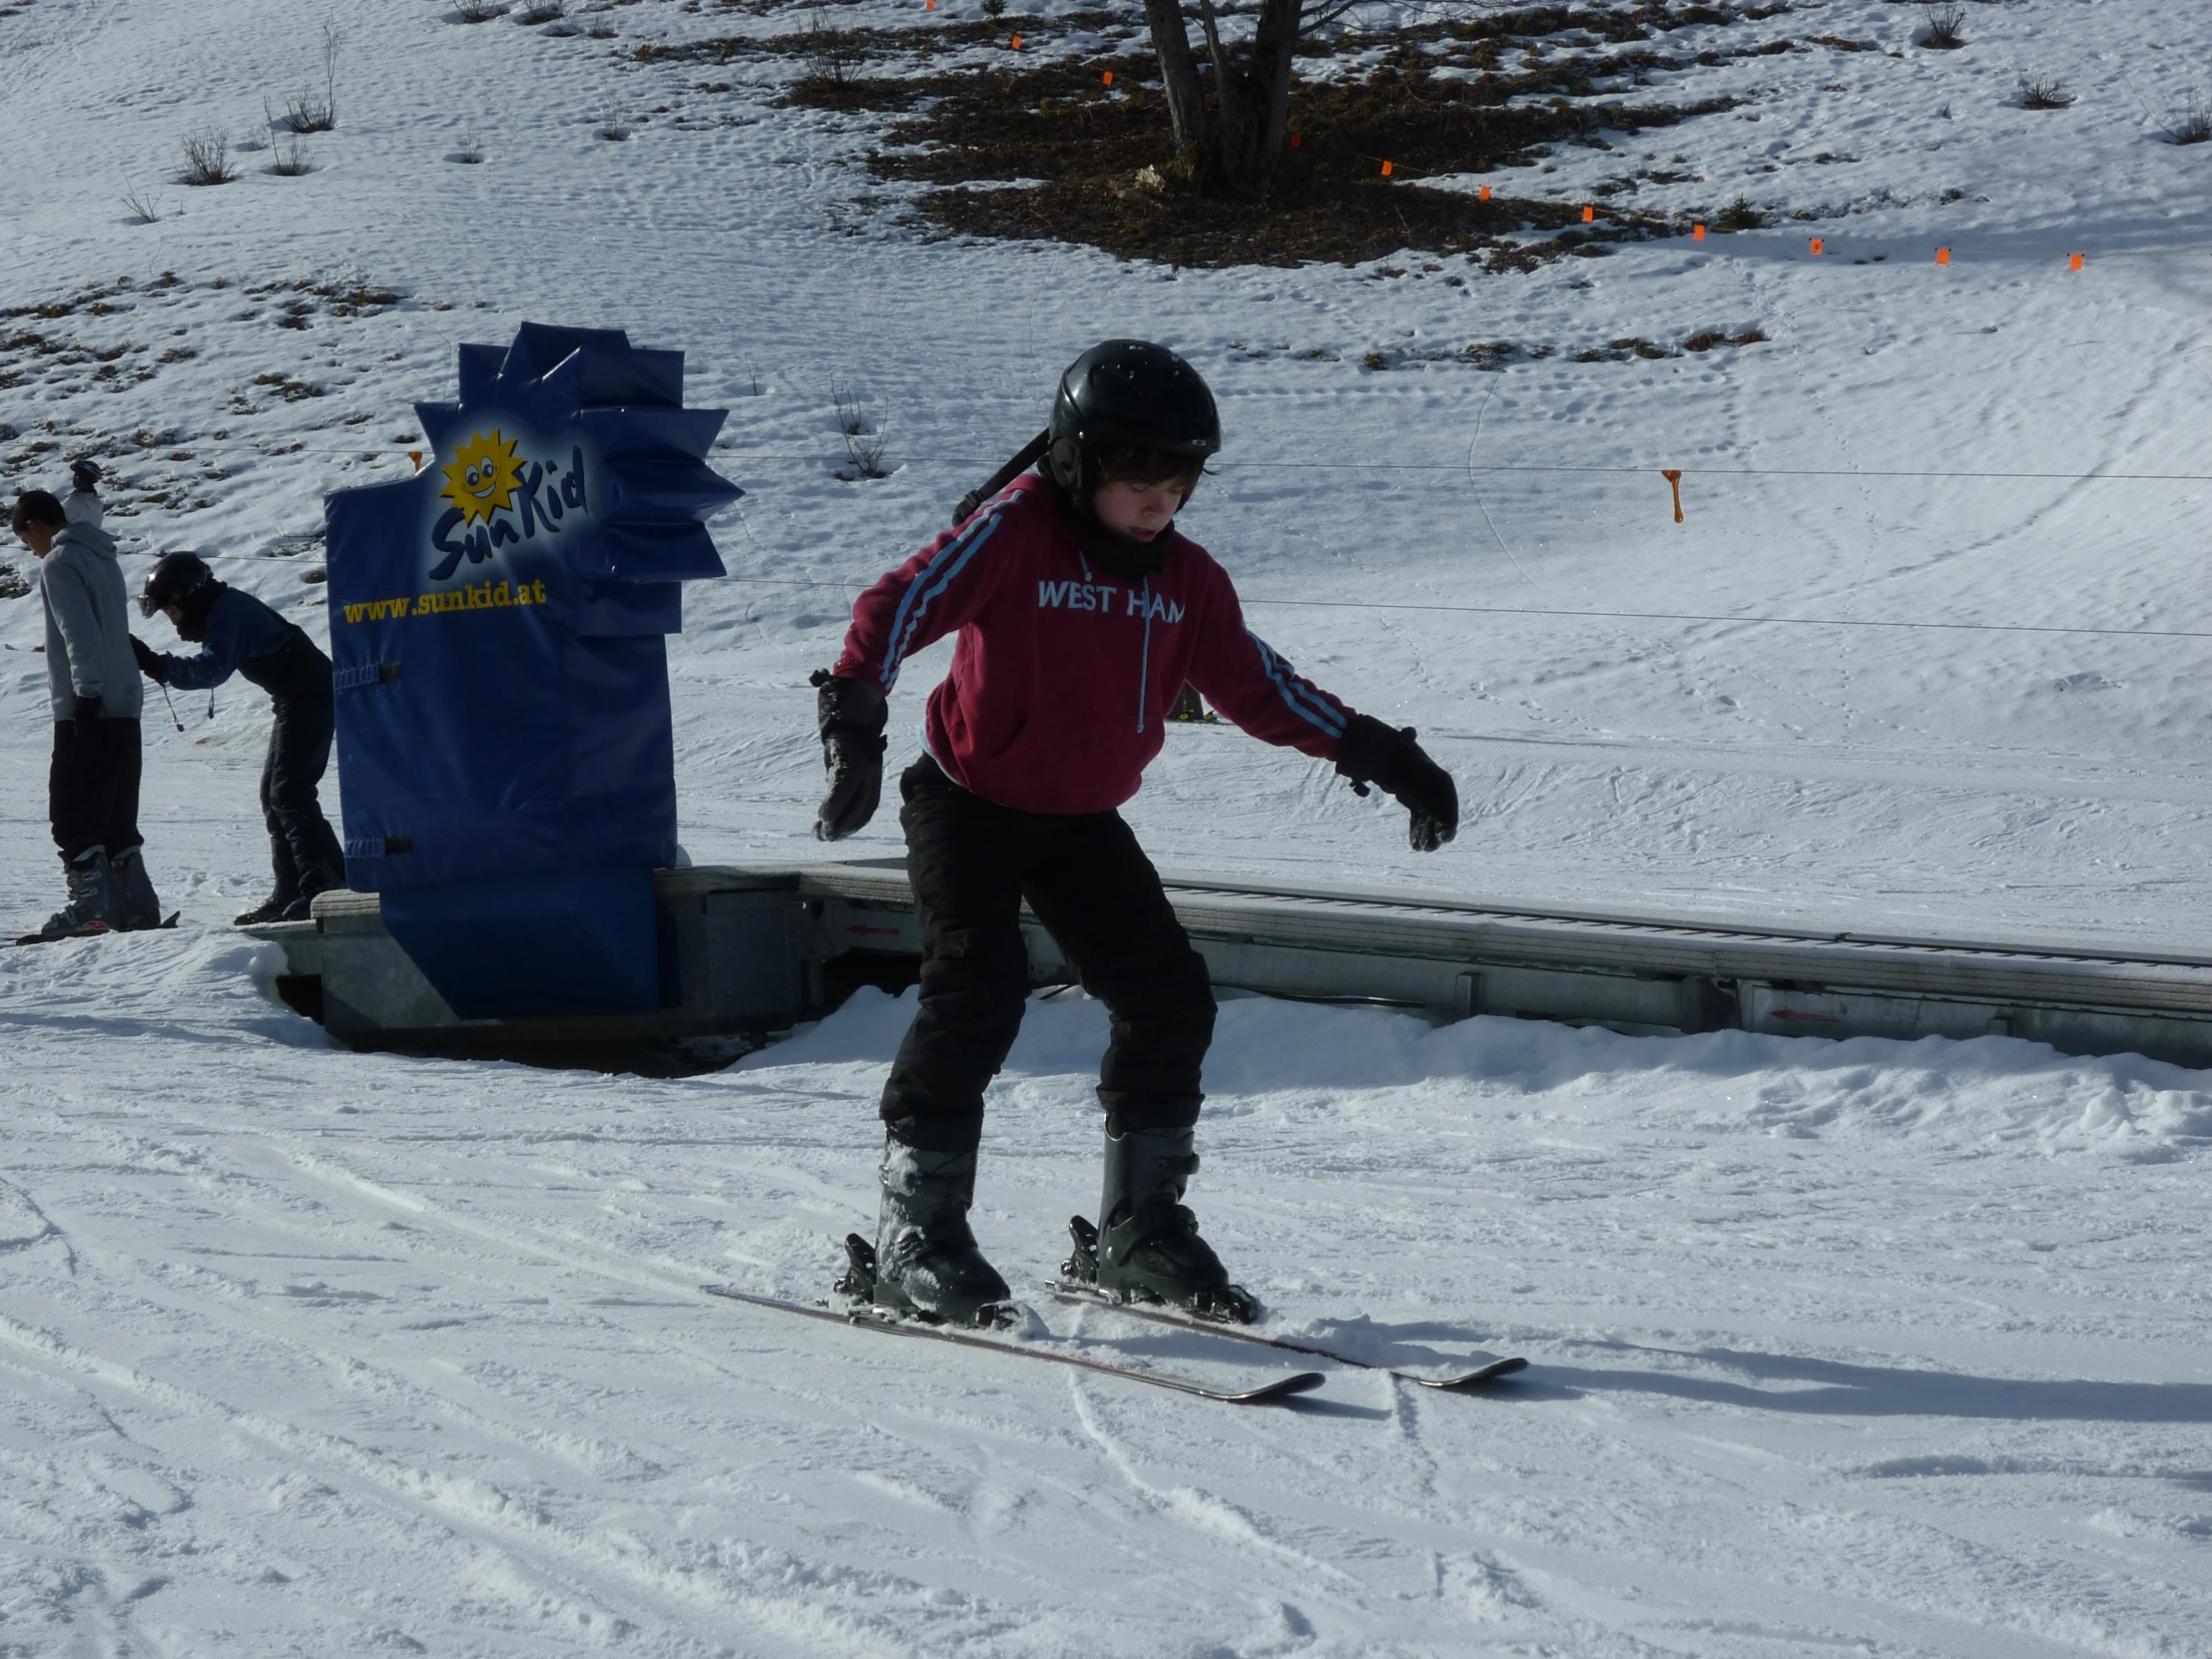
x=1303, y=1057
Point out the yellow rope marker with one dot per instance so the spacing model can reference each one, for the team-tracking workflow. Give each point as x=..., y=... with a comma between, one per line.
x=1943, y=255
x=1673, y=477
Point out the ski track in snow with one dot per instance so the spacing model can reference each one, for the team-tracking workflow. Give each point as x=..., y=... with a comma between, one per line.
x=1858, y=1347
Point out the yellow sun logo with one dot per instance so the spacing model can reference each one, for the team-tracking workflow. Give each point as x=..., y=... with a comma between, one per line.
x=482, y=477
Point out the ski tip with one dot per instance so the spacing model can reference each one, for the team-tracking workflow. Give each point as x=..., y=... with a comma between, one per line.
x=1476, y=1379
x=1283, y=1387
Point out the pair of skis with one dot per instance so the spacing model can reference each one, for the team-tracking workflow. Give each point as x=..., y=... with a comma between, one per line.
x=862, y=1314
x=867, y=1316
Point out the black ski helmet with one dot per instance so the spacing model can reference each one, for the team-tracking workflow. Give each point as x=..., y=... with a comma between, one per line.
x=1127, y=392
x=175, y=578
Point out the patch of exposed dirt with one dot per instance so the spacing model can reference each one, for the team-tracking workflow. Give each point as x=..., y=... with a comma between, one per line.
x=1038, y=146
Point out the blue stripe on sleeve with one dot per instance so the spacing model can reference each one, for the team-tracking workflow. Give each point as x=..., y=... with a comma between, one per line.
x=906, y=621
x=1302, y=702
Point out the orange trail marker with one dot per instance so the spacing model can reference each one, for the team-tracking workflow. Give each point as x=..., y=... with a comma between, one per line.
x=1385, y=170
x=1018, y=43
x=2073, y=262
x=415, y=455
x=1109, y=76
x=1294, y=141
x=1943, y=255
x=1673, y=477
x=1697, y=232
x=1818, y=247
x=1589, y=216
x=1484, y=195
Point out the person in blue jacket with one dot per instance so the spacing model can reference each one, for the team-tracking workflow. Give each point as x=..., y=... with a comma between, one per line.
x=238, y=634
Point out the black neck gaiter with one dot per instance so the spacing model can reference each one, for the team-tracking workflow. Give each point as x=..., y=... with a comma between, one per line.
x=192, y=612
x=1116, y=555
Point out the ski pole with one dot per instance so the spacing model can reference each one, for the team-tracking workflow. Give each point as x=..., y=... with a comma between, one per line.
x=172, y=719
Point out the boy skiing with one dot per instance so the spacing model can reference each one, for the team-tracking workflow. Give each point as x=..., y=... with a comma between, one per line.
x=93, y=785
x=238, y=634
x=1081, y=614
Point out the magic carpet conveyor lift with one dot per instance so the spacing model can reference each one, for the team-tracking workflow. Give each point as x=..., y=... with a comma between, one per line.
x=749, y=952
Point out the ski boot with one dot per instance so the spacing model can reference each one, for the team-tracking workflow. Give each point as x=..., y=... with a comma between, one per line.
x=1149, y=1248
x=91, y=907
x=314, y=883
x=137, y=907
x=272, y=908
x=925, y=1261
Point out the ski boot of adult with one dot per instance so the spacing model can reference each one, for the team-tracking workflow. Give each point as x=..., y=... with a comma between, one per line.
x=1149, y=1248
x=925, y=1261
x=91, y=908
x=272, y=908
x=137, y=907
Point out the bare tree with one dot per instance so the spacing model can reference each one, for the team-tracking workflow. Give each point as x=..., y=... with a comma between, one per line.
x=1231, y=142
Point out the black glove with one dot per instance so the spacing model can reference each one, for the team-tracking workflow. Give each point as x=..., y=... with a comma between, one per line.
x=1371, y=753
x=88, y=710
x=851, y=714
x=149, y=661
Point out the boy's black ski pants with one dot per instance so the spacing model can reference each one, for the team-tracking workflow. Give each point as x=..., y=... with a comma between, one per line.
x=91, y=787
x=973, y=862
x=302, y=844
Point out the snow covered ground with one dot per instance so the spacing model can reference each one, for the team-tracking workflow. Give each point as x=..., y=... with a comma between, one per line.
x=1880, y=1347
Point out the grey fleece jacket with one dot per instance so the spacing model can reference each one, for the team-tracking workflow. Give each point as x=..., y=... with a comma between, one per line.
x=88, y=626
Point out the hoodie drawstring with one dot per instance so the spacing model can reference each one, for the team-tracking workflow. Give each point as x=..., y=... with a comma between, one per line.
x=1144, y=663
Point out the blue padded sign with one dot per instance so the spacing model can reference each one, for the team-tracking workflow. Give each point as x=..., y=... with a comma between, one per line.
x=497, y=630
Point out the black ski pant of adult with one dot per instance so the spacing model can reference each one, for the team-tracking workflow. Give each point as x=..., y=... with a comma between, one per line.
x=91, y=787
x=302, y=844
x=973, y=862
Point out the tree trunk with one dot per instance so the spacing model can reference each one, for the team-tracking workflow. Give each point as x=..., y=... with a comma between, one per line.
x=1187, y=111
x=1252, y=122
x=1232, y=143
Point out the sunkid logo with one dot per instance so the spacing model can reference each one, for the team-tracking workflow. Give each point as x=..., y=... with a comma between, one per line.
x=499, y=497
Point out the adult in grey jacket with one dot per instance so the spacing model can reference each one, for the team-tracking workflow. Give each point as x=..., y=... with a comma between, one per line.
x=93, y=685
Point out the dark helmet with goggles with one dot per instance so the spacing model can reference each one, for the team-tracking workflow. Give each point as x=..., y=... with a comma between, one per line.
x=175, y=578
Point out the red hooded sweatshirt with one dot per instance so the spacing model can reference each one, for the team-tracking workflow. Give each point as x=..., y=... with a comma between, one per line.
x=1064, y=674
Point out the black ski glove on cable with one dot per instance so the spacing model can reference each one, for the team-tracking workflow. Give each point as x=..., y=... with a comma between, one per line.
x=851, y=714
x=149, y=661
x=1372, y=752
